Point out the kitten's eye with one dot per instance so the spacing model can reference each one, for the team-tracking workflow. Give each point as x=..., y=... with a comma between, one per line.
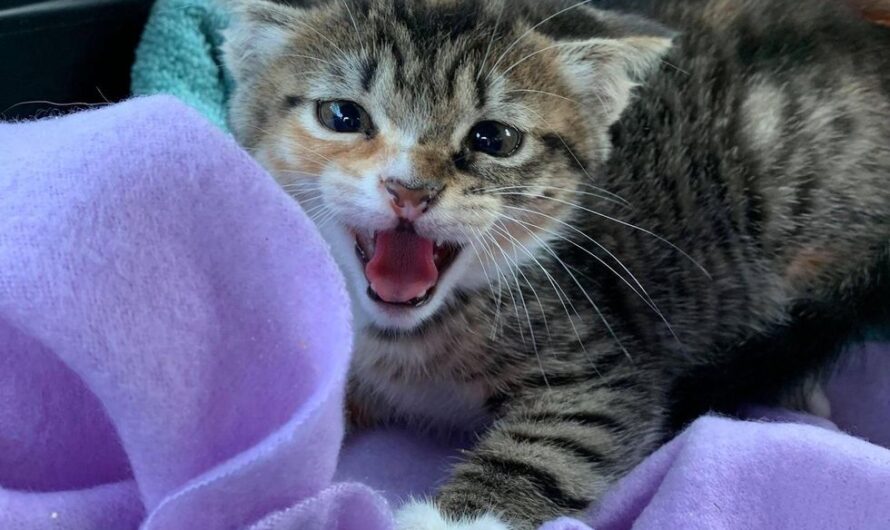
x=344, y=116
x=494, y=138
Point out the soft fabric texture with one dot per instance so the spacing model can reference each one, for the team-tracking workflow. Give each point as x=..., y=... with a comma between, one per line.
x=173, y=333
x=179, y=54
x=174, y=340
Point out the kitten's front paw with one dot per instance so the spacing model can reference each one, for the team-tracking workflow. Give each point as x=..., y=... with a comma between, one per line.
x=426, y=516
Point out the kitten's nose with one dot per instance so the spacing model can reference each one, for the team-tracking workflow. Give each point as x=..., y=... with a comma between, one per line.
x=410, y=202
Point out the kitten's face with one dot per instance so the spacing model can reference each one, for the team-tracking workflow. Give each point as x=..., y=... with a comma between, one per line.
x=436, y=143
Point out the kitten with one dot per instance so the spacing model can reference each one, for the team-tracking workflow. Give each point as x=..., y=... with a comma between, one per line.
x=569, y=227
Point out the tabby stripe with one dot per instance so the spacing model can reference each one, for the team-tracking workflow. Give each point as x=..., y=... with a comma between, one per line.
x=619, y=304
x=451, y=75
x=542, y=480
x=803, y=205
x=481, y=91
x=566, y=445
x=755, y=211
x=400, y=63
x=368, y=73
x=587, y=419
x=292, y=101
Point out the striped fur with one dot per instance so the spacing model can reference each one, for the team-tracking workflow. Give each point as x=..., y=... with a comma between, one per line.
x=714, y=245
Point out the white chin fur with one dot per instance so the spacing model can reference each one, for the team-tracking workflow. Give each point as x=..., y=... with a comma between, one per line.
x=425, y=516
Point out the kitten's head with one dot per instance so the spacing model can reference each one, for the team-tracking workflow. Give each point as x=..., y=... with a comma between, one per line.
x=437, y=143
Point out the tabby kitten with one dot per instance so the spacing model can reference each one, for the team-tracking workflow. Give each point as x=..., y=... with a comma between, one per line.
x=568, y=227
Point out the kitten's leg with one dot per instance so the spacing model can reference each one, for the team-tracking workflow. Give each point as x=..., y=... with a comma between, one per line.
x=551, y=454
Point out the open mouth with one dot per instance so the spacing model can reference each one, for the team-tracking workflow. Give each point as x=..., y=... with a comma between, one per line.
x=402, y=267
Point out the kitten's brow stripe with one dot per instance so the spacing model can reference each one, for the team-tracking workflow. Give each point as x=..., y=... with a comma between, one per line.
x=292, y=101
x=561, y=443
x=481, y=92
x=368, y=74
x=451, y=75
x=542, y=480
x=387, y=41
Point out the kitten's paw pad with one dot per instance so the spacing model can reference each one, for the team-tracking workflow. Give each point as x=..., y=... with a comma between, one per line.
x=426, y=516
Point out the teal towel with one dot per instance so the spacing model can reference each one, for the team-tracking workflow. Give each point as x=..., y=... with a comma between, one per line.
x=180, y=55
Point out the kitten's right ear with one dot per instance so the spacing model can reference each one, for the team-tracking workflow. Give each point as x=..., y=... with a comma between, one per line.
x=258, y=31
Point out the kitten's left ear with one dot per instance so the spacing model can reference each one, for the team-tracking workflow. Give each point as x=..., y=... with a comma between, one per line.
x=606, y=54
x=606, y=70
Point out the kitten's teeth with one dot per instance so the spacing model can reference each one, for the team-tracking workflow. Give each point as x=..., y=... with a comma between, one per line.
x=438, y=242
x=366, y=243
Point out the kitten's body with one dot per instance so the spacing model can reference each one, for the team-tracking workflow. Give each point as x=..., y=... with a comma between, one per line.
x=760, y=147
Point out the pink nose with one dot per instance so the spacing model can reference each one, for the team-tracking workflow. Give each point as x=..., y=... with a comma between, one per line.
x=410, y=202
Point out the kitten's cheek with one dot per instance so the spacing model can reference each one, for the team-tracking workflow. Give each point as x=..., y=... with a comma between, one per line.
x=425, y=516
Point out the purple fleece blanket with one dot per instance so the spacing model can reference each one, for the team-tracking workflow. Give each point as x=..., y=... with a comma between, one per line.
x=174, y=340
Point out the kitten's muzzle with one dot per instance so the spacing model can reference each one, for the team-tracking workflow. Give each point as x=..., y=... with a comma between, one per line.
x=410, y=202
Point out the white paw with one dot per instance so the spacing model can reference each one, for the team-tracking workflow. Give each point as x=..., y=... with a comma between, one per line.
x=426, y=516
x=818, y=403
x=809, y=397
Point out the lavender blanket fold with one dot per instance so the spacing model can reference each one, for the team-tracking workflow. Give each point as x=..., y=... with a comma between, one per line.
x=174, y=340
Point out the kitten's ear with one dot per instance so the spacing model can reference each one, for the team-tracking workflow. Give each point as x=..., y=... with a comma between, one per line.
x=606, y=70
x=258, y=31
x=605, y=54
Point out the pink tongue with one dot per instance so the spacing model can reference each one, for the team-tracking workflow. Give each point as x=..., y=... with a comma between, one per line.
x=402, y=267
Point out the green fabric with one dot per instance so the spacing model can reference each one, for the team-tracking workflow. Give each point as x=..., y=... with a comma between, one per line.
x=180, y=55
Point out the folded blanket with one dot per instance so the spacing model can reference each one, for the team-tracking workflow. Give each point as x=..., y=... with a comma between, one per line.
x=174, y=340
x=173, y=334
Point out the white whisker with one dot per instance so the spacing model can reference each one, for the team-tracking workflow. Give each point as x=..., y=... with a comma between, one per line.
x=515, y=262
x=307, y=151
x=53, y=103
x=569, y=149
x=642, y=293
x=624, y=223
x=561, y=295
x=531, y=29
x=354, y=25
x=544, y=92
x=472, y=240
x=576, y=192
x=593, y=304
x=341, y=53
x=497, y=24
x=535, y=53
x=507, y=281
x=524, y=306
x=515, y=266
x=675, y=67
x=647, y=299
x=310, y=57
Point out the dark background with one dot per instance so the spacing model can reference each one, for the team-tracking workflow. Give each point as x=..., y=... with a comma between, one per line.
x=66, y=52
